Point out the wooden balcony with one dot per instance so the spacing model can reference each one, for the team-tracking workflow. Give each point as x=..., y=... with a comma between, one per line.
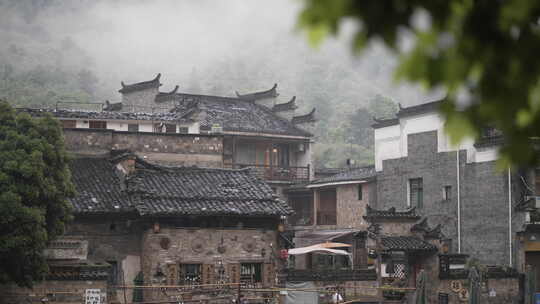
x=275, y=173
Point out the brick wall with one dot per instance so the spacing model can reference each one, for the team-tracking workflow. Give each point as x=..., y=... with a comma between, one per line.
x=121, y=245
x=59, y=292
x=140, y=98
x=170, y=149
x=483, y=196
x=350, y=210
x=206, y=247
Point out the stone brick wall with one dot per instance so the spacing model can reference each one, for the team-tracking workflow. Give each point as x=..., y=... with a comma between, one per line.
x=484, y=196
x=60, y=292
x=121, y=245
x=141, y=98
x=350, y=210
x=169, y=248
x=170, y=149
x=506, y=289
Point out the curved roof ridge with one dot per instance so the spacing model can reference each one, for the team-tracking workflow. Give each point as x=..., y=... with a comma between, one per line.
x=127, y=88
x=270, y=93
x=289, y=105
x=309, y=117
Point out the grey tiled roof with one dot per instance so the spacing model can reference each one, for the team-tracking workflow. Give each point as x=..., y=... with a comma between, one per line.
x=381, y=123
x=98, y=188
x=127, y=88
x=235, y=115
x=405, y=243
x=202, y=191
x=271, y=93
x=155, y=190
x=362, y=173
x=106, y=115
x=419, y=109
x=390, y=213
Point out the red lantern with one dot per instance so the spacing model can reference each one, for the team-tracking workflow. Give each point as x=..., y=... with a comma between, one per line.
x=284, y=254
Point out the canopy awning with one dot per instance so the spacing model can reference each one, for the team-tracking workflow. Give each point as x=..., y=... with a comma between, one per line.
x=317, y=248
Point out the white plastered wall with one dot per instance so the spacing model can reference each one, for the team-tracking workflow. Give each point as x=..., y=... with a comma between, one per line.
x=391, y=142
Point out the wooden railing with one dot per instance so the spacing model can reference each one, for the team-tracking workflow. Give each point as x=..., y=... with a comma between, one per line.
x=302, y=275
x=326, y=218
x=275, y=173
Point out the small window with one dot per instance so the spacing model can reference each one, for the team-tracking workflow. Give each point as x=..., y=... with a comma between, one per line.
x=133, y=127
x=183, y=130
x=360, y=192
x=416, y=193
x=190, y=274
x=251, y=272
x=98, y=124
x=447, y=193
x=66, y=124
x=170, y=128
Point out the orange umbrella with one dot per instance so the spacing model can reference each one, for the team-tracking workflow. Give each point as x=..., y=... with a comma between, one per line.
x=332, y=245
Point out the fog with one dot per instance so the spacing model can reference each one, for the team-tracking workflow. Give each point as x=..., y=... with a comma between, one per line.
x=211, y=47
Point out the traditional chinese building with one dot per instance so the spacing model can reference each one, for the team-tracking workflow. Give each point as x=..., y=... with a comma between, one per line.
x=138, y=223
x=255, y=130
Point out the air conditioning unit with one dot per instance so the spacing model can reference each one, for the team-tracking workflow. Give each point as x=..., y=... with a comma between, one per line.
x=536, y=200
x=301, y=147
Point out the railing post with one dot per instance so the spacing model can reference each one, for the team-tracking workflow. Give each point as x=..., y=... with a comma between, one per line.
x=308, y=169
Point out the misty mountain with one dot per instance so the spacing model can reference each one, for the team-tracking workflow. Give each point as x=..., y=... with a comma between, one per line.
x=80, y=51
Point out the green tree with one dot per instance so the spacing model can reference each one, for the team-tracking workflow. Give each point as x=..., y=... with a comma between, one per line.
x=484, y=53
x=382, y=107
x=35, y=183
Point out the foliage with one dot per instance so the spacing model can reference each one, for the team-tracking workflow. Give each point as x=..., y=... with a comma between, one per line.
x=484, y=53
x=34, y=185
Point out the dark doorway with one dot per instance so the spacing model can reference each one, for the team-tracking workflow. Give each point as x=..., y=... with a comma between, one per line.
x=533, y=258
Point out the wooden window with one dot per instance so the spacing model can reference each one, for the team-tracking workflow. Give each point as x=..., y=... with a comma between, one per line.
x=416, y=193
x=69, y=124
x=269, y=274
x=98, y=124
x=233, y=271
x=133, y=127
x=208, y=274
x=360, y=192
x=251, y=272
x=170, y=128
x=326, y=213
x=190, y=274
x=183, y=130
x=447, y=193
